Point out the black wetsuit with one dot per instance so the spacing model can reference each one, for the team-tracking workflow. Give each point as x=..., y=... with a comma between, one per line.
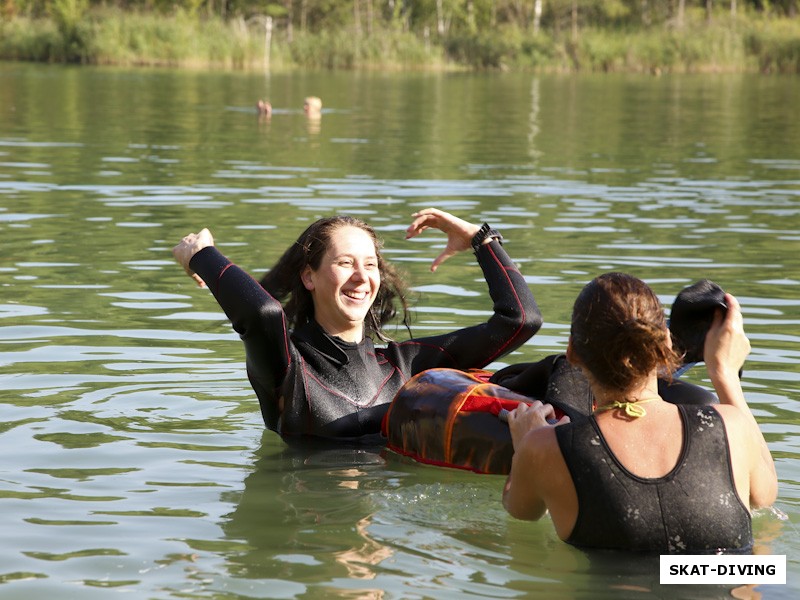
x=334, y=389
x=694, y=509
x=555, y=381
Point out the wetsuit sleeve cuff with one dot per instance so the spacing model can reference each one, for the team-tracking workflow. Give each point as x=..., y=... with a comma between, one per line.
x=484, y=233
x=209, y=263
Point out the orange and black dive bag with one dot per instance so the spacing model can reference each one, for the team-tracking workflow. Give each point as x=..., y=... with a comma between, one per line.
x=450, y=418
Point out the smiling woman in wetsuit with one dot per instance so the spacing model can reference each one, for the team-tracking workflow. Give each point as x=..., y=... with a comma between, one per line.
x=642, y=474
x=311, y=359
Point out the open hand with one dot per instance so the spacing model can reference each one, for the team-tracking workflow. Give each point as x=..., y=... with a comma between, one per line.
x=527, y=417
x=459, y=232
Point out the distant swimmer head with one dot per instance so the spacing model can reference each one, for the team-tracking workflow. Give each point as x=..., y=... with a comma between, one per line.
x=264, y=108
x=691, y=316
x=312, y=106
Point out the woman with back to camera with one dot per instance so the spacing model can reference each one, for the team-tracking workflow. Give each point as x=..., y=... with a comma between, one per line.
x=641, y=474
x=311, y=361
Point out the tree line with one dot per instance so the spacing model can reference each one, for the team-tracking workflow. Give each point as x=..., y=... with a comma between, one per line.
x=600, y=35
x=439, y=17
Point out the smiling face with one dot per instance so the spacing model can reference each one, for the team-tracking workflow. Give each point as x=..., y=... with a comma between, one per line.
x=345, y=284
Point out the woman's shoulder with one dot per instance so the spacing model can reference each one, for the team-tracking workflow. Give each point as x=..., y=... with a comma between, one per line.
x=728, y=412
x=737, y=426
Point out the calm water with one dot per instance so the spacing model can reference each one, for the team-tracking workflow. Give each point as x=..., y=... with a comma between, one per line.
x=135, y=460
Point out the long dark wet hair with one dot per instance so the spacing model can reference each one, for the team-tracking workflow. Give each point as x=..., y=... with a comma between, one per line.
x=619, y=331
x=283, y=280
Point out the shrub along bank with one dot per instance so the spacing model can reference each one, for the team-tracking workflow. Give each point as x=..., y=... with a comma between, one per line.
x=103, y=36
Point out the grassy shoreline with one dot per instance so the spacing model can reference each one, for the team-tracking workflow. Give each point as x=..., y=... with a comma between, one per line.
x=110, y=37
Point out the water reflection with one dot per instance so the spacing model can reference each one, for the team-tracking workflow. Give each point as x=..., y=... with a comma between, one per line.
x=314, y=526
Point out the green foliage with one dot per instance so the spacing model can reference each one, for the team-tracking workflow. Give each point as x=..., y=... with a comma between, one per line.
x=609, y=35
x=616, y=10
x=696, y=48
x=345, y=49
x=68, y=12
x=68, y=15
x=276, y=11
x=329, y=49
x=776, y=47
x=27, y=39
x=539, y=51
x=481, y=50
x=114, y=37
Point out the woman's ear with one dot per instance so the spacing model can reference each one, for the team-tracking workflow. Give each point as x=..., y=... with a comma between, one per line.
x=307, y=279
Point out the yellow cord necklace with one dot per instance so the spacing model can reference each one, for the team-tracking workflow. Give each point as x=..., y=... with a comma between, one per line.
x=631, y=407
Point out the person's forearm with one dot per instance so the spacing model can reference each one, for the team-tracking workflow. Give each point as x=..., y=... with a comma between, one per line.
x=515, y=308
x=529, y=509
x=729, y=390
x=245, y=302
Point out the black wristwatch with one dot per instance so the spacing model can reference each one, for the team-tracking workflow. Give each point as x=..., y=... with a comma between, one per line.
x=483, y=234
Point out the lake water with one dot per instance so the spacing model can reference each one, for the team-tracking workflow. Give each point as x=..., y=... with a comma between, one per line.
x=134, y=456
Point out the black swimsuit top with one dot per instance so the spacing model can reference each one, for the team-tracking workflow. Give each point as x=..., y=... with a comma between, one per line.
x=694, y=509
x=310, y=383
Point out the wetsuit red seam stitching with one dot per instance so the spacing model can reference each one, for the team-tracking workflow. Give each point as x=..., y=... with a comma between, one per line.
x=439, y=348
x=285, y=342
x=222, y=272
x=377, y=356
x=339, y=394
x=284, y=328
x=310, y=415
x=403, y=377
x=510, y=340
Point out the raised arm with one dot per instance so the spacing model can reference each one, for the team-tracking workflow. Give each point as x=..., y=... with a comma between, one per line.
x=239, y=295
x=256, y=316
x=515, y=317
x=725, y=350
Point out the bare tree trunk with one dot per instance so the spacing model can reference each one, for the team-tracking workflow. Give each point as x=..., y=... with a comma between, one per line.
x=537, y=15
x=289, y=20
x=303, y=14
x=439, y=17
x=681, y=12
x=708, y=10
x=574, y=20
x=369, y=18
x=533, y=131
x=471, y=16
x=267, y=42
x=357, y=16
